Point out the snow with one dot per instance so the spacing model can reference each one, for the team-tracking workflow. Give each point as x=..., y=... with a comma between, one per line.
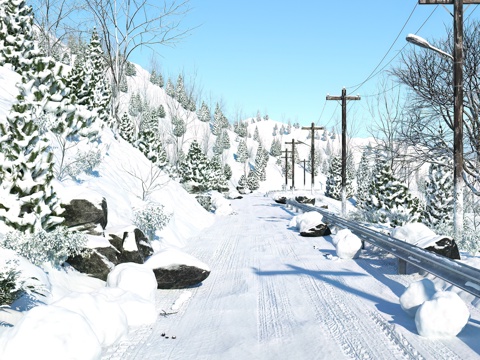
x=347, y=245
x=135, y=278
x=445, y=315
x=416, y=294
x=270, y=294
x=306, y=221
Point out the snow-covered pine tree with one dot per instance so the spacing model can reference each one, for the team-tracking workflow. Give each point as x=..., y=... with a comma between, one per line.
x=276, y=147
x=334, y=179
x=123, y=87
x=389, y=200
x=102, y=90
x=242, y=152
x=439, y=193
x=180, y=93
x=127, y=129
x=218, y=146
x=170, y=89
x=256, y=135
x=161, y=112
x=16, y=35
x=130, y=69
x=204, y=113
x=194, y=169
x=215, y=176
x=364, y=178
x=227, y=171
x=253, y=182
x=242, y=182
x=225, y=140
x=219, y=121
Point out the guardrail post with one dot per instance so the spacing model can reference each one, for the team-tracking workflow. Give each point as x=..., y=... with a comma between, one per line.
x=402, y=267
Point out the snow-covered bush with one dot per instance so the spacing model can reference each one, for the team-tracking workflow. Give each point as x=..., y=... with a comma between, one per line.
x=42, y=246
x=84, y=162
x=12, y=285
x=205, y=201
x=151, y=218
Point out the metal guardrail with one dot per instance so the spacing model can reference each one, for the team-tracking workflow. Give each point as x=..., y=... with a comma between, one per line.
x=456, y=273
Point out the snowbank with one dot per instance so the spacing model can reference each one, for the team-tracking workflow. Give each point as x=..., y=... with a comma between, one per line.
x=221, y=205
x=50, y=332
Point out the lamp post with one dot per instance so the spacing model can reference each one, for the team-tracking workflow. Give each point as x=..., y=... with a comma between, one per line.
x=457, y=58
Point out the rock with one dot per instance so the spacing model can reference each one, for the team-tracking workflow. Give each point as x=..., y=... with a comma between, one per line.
x=446, y=247
x=305, y=200
x=82, y=215
x=242, y=190
x=319, y=230
x=132, y=247
x=281, y=200
x=175, y=269
x=93, y=263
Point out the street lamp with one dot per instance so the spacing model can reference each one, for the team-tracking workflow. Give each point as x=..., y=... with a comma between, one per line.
x=458, y=181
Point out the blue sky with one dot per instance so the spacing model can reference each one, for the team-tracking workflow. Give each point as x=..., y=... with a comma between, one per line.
x=283, y=57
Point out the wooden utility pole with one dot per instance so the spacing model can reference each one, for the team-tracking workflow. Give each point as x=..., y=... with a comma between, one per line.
x=344, y=99
x=304, y=172
x=286, y=167
x=293, y=142
x=312, y=128
x=458, y=181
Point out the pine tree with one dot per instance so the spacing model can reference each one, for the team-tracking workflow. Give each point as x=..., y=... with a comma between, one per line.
x=276, y=147
x=204, y=113
x=16, y=34
x=256, y=135
x=219, y=121
x=225, y=140
x=170, y=89
x=123, y=84
x=216, y=175
x=127, y=129
x=259, y=118
x=334, y=179
x=252, y=180
x=130, y=69
x=439, y=193
x=161, y=112
x=218, y=146
x=242, y=152
x=389, y=200
x=364, y=178
x=242, y=182
x=227, y=171
x=180, y=93
x=195, y=168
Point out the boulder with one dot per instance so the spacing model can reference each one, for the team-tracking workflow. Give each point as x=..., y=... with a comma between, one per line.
x=445, y=246
x=319, y=230
x=305, y=200
x=132, y=247
x=281, y=200
x=175, y=269
x=85, y=216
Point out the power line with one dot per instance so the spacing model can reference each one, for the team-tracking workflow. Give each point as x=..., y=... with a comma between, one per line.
x=389, y=49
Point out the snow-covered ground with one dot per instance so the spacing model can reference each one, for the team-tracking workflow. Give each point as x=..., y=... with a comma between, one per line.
x=275, y=295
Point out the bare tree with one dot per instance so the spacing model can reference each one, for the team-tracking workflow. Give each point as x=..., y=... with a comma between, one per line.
x=429, y=79
x=129, y=25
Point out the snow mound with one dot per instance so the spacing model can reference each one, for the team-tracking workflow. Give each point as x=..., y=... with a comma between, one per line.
x=416, y=294
x=135, y=278
x=50, y=332
x=347, y=244
x=106, y=318
x=415, y=233
x=306, y=221
x=221, y=205
x=138, y=311
x=445, y=315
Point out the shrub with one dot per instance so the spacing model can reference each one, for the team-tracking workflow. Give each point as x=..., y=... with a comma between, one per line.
x=12, y=287
x=151, y=218
x=41, y=247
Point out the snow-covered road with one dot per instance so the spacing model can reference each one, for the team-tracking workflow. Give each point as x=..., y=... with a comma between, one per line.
x=272, y=294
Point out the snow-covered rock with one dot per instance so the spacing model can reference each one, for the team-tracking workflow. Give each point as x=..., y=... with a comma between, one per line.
x=445, y=315
x=347, y=245
x=414, y=233
x=416, y=294
x=175, y=269
x=50, y=332
x=306, y=221
x=135, y=278
x=220, y=205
